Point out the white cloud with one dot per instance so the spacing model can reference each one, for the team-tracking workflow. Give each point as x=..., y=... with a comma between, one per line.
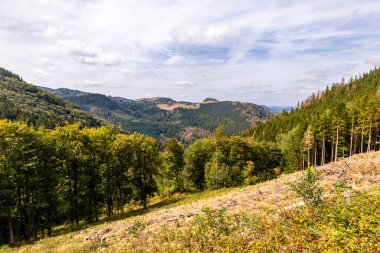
x=373, y=60
x=40, y=73
x=149, y=46
x=179, y=61
x=89, y=54
x=55, y=32
x=96, y=84
x=150, y=95
x=185, y=84
x=205, y=35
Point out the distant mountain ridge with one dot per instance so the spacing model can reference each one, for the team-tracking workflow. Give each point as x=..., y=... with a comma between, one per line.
x=279, y=109
x=22, y=101
x=165, y=117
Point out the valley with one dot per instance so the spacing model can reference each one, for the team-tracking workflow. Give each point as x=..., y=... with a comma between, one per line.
x=166, y=118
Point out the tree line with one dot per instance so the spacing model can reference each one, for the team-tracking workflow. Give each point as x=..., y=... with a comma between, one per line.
x=341, y=121
x=71, y=174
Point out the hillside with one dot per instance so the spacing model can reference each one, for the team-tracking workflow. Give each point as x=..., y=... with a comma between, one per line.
x=268, y=210
x=337, y=122
x=164, y=117
x=22, y=101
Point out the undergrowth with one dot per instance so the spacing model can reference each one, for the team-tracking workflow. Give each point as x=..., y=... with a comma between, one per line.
x=338, y=224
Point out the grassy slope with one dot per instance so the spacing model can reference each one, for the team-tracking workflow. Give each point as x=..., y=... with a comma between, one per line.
x=257, y=207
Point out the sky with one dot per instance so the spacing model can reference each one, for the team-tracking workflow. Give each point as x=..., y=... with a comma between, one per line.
x=273, y=52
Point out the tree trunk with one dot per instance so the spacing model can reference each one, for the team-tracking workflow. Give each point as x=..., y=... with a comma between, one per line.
x=303, y=160
x=121, y=204
x=337, y=144
x=35, y=228
x=42, y=230
x=11, y=235
x=76, y=195
x=144, y=201
x=49, y=223
x=332, y=150
x=323, y=150
x=362, y=140
x=369, y=137
x=352, y=135
x=109, y=206
x=35, y=232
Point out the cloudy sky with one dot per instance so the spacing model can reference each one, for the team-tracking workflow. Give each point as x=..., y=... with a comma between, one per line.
x=267, y=52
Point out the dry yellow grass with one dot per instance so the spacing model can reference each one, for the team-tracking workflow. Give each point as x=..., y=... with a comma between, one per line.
x=360, y=171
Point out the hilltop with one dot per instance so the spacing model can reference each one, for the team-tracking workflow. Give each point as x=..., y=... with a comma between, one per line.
x=267, y=201
x=164, y=117
x=23, y=101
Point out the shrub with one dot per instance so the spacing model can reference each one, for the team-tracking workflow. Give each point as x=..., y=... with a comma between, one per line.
x=136, y=227
x=307, y=186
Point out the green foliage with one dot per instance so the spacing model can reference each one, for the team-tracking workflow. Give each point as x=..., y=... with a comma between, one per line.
x=196, y=157
x=342, y=186
x=335, y=123
x=248, y=175
x=146, y=117
x=145, y=162
x=232, y=159
x=291, y=149
x=171, y=174
x=136, y=228
x=212, y=225
x=69, y=174
x=25, y=102
x=307, y=186
x=6, y=73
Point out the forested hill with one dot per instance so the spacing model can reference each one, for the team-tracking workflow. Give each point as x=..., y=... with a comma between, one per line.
x=338, y=122
x=22, y=101
x=165, y=117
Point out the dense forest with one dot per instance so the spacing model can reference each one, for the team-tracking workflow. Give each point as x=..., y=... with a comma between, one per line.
x=338, y=122
x=69, y=174
x=186, y=122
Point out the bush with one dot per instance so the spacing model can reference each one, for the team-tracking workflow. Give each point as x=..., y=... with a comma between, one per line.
x=307, y=186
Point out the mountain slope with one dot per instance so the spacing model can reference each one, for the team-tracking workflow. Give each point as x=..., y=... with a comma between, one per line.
x=164, y=117
x=22, y=101
x=349, y=94
x=162, y=229
x=338, y=122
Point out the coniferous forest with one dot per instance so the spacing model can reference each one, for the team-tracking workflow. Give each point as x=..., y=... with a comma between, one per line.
x=68, y=173
x=341, y=121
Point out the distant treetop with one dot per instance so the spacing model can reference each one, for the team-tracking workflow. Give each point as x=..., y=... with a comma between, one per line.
x=7, y=73
x=210, y=100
